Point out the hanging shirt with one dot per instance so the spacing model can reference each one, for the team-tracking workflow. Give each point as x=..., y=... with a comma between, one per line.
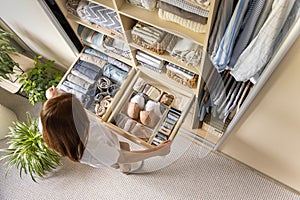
x=260, y=50
x=102, y=148
x=222, y=56
x=223, y=17
x=244, y=38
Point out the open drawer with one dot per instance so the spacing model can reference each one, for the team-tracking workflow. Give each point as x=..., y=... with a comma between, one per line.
x=97, y=80
x=149, y=111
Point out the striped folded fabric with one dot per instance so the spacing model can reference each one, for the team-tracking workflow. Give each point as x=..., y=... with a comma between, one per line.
x=149, y=61
x=103, y=17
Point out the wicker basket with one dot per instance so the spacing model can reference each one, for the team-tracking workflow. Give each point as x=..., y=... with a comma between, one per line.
x=181, y=79
x=157, y=47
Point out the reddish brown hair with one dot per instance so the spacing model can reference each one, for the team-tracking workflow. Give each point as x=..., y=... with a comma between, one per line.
x=65, y=125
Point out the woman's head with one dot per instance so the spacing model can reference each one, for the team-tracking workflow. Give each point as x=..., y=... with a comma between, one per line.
x=65, y=125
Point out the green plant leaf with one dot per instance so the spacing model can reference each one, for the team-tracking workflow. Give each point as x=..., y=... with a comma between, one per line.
x=39, y=79
x=6, y=62
x=27, y=151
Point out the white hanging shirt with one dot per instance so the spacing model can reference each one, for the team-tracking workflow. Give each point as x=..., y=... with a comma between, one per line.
x=259, y=51
x=102, y=148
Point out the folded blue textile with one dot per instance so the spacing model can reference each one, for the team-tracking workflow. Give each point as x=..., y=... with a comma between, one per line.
x=114, y=73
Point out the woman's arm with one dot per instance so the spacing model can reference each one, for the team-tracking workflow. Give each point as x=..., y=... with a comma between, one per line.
x=127, y=156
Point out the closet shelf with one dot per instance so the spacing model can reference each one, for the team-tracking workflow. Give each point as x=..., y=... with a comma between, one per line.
x=105, y=31
x=152, y=18
x=105, y=3
x=166, y=57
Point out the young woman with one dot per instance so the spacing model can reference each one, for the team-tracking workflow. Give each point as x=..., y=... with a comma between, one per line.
x=70, y=131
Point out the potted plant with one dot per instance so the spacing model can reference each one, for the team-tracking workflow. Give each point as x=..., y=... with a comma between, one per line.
x=7, y=64
x=38, y=79
x=27, y=151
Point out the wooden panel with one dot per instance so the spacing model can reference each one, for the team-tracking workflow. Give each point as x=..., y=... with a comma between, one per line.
x=106, y=3
x=151, y=18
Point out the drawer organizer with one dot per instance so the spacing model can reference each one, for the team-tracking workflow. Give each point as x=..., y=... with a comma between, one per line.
x=96, y=80
x=149, y=112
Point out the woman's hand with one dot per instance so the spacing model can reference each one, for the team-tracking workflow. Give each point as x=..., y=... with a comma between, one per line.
x=164, y=148
x=51, y=92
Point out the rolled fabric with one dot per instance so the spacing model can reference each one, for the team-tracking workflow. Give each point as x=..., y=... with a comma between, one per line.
x=90, y=36
x=94, y=60
x=84, y=99
x=96, y=53
x=86, y=69
x=83, y=76
x=119, y=64
x=114, y=73
x=78, y=81
x=75, y=87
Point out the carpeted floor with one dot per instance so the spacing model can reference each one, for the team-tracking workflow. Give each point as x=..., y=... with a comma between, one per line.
x=189, y=173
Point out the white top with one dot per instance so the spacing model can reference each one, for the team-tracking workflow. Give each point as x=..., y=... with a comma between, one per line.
x=102, y=148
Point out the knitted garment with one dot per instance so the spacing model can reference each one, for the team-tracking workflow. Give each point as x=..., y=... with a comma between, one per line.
x=194, y=26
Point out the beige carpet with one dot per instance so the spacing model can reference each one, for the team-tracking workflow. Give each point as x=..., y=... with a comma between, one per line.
x=189, y=177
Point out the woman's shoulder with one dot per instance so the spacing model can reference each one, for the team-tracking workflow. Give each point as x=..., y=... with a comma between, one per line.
x=96, y=123
x=99, y=127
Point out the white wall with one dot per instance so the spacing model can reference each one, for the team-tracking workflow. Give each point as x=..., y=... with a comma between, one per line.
x=30, y=22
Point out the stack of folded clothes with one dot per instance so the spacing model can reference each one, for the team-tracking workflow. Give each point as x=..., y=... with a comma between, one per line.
x=95, y=79
x=103, y=42
x=185, y=51
x=149, y=61
x=184, y=13
x=95, y=14
x=182, y=76
x=150, y=37
x=81, y=80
